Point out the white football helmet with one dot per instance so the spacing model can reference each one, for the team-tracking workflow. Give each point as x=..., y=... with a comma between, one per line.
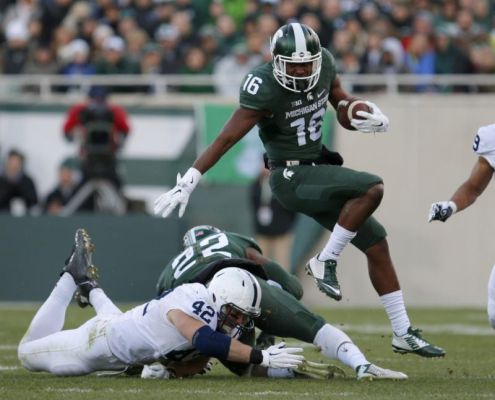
x=197, y=233
x=237, y=295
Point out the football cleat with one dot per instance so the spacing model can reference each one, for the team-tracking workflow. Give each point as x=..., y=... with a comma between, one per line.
x=371, y=372
x=413, y=342
x=325, y=275
x=81, y=296
x=78, y=265
x=314, y=370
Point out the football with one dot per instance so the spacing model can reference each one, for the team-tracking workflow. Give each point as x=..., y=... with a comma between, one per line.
x=347, y=109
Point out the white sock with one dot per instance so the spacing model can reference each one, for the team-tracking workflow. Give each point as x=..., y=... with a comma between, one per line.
x=396, y=312
x=336, y=345
x=102, y=304
x=491, y=298
x=286, y=373
x=350, y=355
x=339, y=238
x=50, y=317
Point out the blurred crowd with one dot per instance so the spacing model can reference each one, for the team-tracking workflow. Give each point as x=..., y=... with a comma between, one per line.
x=89, y=182
x=219, y=37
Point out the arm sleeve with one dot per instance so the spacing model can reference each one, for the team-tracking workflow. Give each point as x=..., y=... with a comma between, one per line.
x=72, y=119
x=211, y=343
x=120, y=120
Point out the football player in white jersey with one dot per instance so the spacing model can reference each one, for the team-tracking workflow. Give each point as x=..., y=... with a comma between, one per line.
x=190, y=321
x=469, y=191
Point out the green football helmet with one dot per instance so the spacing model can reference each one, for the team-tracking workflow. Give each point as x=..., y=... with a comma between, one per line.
x=296, y=43
x=197, y=233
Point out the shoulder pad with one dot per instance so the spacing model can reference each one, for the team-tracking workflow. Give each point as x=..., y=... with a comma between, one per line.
x=258, y=88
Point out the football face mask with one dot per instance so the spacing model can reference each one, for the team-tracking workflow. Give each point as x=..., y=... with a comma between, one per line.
x=233, y=321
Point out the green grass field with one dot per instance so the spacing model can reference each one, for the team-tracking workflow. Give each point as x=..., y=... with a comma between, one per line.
x=467, y=372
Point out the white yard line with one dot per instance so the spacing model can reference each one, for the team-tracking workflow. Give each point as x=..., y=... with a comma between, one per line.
x=8, y=347
x=456, y=329
x=8, y=367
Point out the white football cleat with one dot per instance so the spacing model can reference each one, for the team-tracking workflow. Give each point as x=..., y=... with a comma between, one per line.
x=413, y=342
x=325, y=275
x=371, y=371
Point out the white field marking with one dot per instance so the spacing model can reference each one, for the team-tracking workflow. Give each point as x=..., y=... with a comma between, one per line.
x=80, y=390
x=65, y=390
x=19, y=305
x=8, y=367
x=8, y=347
x=258, y=394
x=206, y=391
x=456, y=329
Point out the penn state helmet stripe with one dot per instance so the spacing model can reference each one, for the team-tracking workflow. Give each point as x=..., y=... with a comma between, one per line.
x=299, y=37
x=255, y=297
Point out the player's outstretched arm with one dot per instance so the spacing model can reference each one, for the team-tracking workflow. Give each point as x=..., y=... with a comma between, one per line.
x=466, y=194
x=240, y=123
x=215, y=344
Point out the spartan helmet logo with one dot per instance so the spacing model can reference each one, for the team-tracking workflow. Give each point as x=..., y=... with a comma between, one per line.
x=310, y=96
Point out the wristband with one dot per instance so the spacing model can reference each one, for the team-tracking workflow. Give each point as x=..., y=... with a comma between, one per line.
x=191, y=178
x=453, y=206
x=256, y=357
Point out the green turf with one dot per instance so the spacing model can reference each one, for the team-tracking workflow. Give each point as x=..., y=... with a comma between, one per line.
x=468, y=371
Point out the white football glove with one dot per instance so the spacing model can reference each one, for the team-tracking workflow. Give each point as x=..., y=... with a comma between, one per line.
x=373, y=122
x=179, y=195
x=279, y=356
x=156, y=371
x=441, y=211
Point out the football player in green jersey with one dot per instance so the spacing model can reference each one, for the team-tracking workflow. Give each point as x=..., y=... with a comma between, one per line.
x=208, y=249
x=287, y=99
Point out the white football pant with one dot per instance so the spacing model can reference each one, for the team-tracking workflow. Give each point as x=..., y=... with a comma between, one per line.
x=46, y=347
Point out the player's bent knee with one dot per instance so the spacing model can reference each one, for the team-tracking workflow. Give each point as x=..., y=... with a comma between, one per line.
x=36, y=361
x=296, y=288
x=24, y=358
x=376, y=192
